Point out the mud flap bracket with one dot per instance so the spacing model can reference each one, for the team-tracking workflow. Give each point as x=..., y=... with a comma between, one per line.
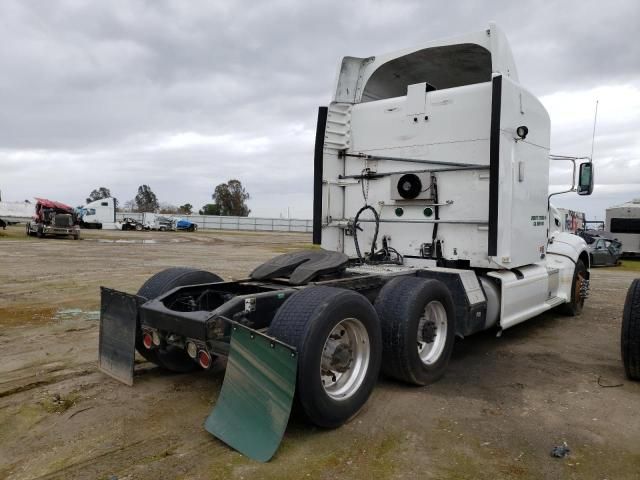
x=118, y=325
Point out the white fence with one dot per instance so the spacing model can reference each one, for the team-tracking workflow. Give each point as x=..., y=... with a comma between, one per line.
x=256, y=224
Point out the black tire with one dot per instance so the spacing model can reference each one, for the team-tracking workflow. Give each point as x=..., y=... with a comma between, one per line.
x=305, y=321
x=138, y=227
x=400, y=305
x=171, y=358
x=630, y=340
x=575, y=306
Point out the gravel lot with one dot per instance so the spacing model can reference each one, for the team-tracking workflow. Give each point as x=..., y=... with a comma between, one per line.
x=503, y=405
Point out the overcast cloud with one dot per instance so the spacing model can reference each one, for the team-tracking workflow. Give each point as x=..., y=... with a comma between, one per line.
x=185, y=95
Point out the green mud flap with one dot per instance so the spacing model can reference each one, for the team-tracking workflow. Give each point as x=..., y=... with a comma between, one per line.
x=253, y=408
x=117, y=343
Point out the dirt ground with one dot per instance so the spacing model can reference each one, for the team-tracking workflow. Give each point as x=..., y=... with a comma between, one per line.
x=503, y=405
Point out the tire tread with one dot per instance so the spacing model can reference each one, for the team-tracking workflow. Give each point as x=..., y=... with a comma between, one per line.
x=302, y=322
x=293, y=317
x=630, y=341
x=394, y=306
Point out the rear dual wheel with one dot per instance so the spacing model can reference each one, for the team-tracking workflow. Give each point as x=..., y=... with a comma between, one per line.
x=417, y=316
x=337, y=335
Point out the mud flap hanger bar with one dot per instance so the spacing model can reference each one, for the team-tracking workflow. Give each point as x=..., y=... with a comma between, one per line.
x=372, y=175
x=364, y=156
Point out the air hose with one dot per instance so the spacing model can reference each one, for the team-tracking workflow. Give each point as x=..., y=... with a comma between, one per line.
x=355, y=230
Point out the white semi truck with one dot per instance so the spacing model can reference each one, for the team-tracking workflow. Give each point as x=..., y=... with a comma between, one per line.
x=432, y=209
x=100, y=213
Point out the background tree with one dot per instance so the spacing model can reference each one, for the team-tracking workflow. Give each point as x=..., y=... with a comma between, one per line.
x=186, y=209
x=231, y=198
x=168, y=208
x=99, y=194
x=129, y=206
x=146, y=200
x=210, y=209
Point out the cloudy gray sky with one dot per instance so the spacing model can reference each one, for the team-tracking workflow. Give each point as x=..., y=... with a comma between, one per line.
x=185, y=95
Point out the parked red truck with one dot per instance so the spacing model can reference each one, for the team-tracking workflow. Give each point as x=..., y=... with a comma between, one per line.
x=53, y=218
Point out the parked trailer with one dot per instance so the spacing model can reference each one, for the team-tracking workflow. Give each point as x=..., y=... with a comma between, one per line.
x=15, y=212
x=431, y=207
x=623, y=221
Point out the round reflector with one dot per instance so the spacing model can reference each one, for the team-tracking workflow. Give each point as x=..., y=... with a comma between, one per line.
x=204, y=359
x=192, y=350
x=147, y=340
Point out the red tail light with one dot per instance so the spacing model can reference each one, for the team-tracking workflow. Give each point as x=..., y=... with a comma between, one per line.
x=204, y=359
x=147, y=340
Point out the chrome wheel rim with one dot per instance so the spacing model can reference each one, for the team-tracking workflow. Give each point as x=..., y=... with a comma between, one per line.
x=345, y=359
x=432, y=332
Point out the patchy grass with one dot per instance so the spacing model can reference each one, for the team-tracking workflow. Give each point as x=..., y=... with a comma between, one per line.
x=628, y=265
x=22, y=314
x=19, y=418
x=14, y=232
x=292, y=247
x=56, y=403
x=631, y=265
x=376, y=458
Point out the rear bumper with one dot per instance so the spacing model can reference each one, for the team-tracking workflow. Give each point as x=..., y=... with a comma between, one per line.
x=50, y=230
x=196, y=325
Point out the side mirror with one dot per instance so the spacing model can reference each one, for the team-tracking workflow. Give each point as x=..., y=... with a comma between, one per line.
x=585, y=179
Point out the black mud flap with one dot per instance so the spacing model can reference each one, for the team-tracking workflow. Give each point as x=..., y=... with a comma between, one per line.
x=253, y=408
x=118, y=324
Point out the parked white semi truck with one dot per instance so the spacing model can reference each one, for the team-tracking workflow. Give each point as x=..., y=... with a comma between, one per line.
x=99, y=214
x=432, y=209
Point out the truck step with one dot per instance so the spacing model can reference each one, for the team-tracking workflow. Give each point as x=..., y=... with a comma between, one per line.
x=555, y=301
